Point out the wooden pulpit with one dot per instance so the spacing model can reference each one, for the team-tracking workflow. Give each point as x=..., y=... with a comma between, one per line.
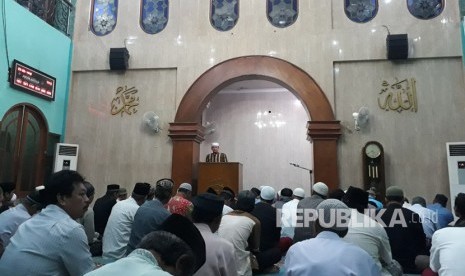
x=219, y=175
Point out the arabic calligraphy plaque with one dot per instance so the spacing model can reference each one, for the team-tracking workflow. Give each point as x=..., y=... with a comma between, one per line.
x=398, y=95
x=125, y=101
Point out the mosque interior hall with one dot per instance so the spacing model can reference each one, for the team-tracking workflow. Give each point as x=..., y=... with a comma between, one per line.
x=233, y=95
x=139, y=90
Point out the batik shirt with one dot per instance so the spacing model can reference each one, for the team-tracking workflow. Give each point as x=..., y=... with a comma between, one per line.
x=179, y=205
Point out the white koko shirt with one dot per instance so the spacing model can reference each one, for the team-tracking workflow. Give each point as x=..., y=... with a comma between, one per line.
x=447, y=251
x=220, y=254
x=118, y=230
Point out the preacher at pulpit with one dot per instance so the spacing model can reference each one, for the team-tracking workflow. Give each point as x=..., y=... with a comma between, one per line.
x=216, y=156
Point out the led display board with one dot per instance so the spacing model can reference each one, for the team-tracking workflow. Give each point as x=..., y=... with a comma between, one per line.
x=28, y=79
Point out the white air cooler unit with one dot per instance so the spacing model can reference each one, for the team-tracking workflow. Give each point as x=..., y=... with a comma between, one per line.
x=456, y=165
x=66, y=156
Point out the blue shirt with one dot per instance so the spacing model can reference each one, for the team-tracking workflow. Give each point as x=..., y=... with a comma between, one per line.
x=50, y=243
x=10, y=221
x=140, y=262
x=327, y=254
x=376, y=203
x=148, y=218
x=444, y=215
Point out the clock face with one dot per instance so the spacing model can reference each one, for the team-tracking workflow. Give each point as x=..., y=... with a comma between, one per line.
x=372, y=150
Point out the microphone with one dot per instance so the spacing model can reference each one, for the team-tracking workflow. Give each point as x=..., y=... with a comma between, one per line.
x=298, y=166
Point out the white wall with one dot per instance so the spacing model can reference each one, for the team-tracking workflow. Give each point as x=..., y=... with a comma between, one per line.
x=264, y=152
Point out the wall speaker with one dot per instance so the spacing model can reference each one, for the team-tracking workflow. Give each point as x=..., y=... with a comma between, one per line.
x=397, y=46
x=119, y=58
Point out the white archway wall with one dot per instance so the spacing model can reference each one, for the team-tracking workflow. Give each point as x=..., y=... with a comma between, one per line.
x=265, y=153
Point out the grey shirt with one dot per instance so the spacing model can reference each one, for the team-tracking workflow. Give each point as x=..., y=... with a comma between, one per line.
x=148, y=218
x=307, y=231
x=279, y=204
x=88, y=222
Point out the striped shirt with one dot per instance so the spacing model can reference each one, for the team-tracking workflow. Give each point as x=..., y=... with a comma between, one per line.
x=216, y=158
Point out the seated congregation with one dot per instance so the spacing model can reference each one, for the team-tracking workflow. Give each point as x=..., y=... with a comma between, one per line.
x=54, y=231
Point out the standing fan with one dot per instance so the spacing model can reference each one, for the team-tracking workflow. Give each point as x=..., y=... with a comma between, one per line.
x=360, y=118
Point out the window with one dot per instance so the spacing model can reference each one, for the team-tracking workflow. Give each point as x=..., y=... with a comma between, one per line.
x=58, y=13
x=224, y=14
x=282, y=13
x=425, y=9
x=361, y=11
x=104, y=16
x=154, y=15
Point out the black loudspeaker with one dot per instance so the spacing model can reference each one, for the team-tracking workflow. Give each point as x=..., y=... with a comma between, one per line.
x=397, y=46
x=119, y=58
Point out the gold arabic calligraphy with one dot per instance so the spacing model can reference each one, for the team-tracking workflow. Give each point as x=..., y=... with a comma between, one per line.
x=399, y=96
x=125, y=101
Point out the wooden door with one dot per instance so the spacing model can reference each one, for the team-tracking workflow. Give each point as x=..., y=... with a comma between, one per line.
x=23, y=142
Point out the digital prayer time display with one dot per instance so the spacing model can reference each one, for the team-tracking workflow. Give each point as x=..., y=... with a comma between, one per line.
x=33, y=81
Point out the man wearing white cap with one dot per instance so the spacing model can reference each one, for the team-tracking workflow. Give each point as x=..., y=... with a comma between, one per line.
x=317, y=256
x=216, y=156
x=289, y=213
x=270, y=232
x=320, y=192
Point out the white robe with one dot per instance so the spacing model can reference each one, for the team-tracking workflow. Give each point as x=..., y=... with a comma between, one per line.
x=220, y=254
x=447, y=251
x=118, y=230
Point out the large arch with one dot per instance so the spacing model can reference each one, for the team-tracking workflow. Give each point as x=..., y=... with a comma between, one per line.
x=187, y=133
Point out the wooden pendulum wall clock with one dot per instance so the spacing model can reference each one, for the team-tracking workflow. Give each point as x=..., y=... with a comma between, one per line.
x=373, y=168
